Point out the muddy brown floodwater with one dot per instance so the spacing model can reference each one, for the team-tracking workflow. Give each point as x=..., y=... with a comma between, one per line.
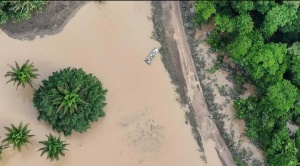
x=145, y=125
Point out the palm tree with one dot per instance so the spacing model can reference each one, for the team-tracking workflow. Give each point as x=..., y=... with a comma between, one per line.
x=54, y=147
x=68, y=100
x=2, y=147
x=22, y=75
x=18, y=137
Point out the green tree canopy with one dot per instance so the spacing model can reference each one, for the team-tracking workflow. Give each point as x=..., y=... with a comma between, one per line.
x=294, y=53
x=204, y=10
x=294, y=25
x=266, y=60
x=70, y=100
x=239, y=48
x=297, y=143
x=264, y=6
x=282, y=96
x=277, y=17
x=243, y=7
x=244, y=23
x=262, y=38
x=282, y=149
x=224, y=23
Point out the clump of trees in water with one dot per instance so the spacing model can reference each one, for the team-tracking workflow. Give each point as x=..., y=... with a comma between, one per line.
x=19, y=10
x=69, y=100
x=263, y=37
x=19, y=137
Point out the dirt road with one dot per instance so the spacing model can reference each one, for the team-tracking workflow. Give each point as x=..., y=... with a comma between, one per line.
x=215, y=149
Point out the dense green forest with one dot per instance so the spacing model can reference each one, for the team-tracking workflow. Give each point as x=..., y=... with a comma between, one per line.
x=262, y=37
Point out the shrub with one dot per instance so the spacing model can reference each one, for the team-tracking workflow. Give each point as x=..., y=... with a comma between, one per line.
x=19, y=10
x=70, y=99
x=17, y=136
x=214, y=69
x=22, y=75
x=54, y=147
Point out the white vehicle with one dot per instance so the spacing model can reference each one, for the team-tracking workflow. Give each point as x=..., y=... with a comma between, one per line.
x=149, y=59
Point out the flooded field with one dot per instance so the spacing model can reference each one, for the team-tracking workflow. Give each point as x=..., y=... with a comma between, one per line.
x=144, y=124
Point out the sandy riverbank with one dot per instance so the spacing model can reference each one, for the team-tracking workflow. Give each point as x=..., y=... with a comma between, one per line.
x=144, y=124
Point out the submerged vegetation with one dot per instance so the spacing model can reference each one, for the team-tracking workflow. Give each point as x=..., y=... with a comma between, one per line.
x=22, y=75
x=70, y=100
x=18, y=136
x=19, y=10
x=53, y=147
x=262, y=38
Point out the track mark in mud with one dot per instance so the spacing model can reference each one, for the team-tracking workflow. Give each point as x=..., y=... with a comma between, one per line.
x=143, y=133
x=147, y=137
x=129, y=120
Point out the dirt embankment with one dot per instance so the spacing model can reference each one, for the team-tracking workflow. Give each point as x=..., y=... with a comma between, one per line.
x=209, y=140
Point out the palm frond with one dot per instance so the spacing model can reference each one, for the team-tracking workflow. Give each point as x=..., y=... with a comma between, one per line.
x=66, y=109
x=8, y=129
x=61, y=90
x=23, y=84
x=17, y=65
x=58, y=100
x=10, y=73
x=25, y=65
x=12, y=68
x=75, y=91
x=44, y=150
x=75, y=106
x=60, y=107
x=21, y=127
x=11, y=80
x=30, y=84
